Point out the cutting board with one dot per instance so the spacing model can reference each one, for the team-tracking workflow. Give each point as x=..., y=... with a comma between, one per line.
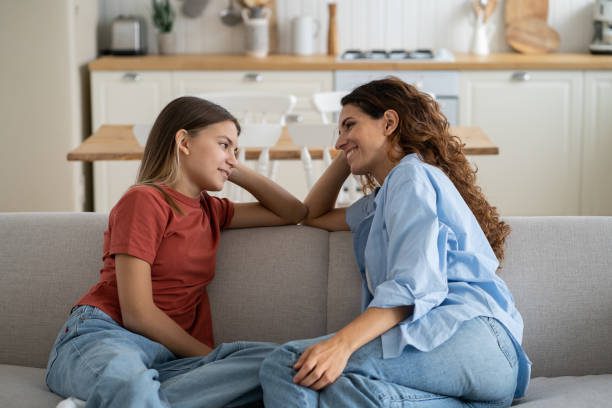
x=532, y=36
x=518, y=10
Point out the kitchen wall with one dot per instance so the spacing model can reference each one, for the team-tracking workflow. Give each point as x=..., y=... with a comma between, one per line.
x=44, y=103
x=362, y=24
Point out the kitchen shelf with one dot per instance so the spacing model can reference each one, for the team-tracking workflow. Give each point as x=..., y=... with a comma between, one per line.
x=198, y=62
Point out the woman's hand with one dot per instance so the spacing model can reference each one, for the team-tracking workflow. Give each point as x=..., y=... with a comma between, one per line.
x=322, y=363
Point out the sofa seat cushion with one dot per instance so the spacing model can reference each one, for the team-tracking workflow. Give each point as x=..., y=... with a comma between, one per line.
x=592, y=391
x=25, y=387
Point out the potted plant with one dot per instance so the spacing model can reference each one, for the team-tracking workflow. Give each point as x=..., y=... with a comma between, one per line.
x=163, y=19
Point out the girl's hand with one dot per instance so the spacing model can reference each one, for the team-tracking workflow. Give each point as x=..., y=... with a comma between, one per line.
x=322, y=363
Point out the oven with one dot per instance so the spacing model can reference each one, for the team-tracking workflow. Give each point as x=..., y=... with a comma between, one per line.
x=444, y=85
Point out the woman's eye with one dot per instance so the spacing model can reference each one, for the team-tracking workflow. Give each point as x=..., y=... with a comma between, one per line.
x=224, y=145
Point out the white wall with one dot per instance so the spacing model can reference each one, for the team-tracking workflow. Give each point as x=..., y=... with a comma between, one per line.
x=42, y=104
x=364, y=24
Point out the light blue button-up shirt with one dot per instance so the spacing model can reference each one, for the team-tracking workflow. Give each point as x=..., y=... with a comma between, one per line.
x=417, y=243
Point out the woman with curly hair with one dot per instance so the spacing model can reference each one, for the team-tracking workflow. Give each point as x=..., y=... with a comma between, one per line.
x=439, y=328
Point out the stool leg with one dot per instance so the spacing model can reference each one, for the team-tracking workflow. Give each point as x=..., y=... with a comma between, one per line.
x=307, y=163
x=264, y=161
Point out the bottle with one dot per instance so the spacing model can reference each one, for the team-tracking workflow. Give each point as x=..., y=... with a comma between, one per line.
x=332, y=31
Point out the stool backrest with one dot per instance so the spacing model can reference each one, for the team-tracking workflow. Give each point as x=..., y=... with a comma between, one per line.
x=254, y=107
x=313, y=134
x=328, y=104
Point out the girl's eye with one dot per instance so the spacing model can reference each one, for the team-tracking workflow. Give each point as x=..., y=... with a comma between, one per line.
x=224, y=145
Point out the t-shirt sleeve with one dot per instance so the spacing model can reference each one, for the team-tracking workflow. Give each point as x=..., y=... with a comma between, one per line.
x=222, y=210
x=137, y=224
x=416, y=266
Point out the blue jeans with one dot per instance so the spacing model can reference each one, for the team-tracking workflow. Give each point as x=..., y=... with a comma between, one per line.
x=477, y=367
x=97, y=360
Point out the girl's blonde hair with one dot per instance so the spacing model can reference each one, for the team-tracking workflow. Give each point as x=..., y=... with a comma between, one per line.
x=424, y=130
x=160, y=162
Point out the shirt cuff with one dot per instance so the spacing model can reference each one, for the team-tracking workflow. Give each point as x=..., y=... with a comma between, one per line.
x=393, y=294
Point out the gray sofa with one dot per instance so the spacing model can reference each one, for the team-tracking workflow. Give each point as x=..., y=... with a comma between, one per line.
x=294, y=282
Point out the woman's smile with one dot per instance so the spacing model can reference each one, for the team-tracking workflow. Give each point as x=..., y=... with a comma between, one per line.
x=350, y=152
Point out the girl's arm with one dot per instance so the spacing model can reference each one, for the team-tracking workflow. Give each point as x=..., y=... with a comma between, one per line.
x=276, y=205
x=322, y=363
x=321, y=199
x=142, y=316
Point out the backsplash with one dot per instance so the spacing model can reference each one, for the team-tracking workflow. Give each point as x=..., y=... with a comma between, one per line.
x=364, y=24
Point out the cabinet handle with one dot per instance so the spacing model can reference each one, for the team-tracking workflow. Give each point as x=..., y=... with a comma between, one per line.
x=132, y=76
x=294, y=118
x=253, y=77
x=520, y=76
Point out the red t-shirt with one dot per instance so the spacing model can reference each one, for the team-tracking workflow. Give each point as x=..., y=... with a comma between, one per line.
x=181, y=250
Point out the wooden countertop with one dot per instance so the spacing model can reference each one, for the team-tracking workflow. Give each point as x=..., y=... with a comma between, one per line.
x=117, y=142
x=197, y=62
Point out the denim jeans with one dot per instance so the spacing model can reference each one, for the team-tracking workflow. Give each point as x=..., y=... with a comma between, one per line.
x=97, y=360
x=476, y=367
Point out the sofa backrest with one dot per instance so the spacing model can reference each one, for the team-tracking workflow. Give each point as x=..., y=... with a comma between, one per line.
x=278, y=284
x=270, y=283
x=47, y=260
x=559, y=270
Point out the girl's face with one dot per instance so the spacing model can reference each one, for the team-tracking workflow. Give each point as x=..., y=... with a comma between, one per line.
x=364, y=142
x=208, y=158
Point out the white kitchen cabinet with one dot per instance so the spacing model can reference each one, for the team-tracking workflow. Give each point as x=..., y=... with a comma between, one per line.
x=137, y=97
x=129, y=97
x=536, y=120
x=302, y=84
x=597, y=144
x=123, y=98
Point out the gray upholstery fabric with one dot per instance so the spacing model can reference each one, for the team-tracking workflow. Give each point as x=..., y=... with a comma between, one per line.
x=344, y=285
x=270, y=284
x=284, y=283
x=589, y=391
x=46, y=261
x=560, y=272
x=24, y=387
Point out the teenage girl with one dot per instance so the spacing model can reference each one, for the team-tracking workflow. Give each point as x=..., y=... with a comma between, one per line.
x=439, y=328
x=142, y=336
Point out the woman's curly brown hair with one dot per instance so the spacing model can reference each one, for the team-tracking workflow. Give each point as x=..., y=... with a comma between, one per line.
x=424, y=130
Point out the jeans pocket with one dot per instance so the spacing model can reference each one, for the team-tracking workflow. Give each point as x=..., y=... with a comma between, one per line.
x=66, y=333
x=503, y=339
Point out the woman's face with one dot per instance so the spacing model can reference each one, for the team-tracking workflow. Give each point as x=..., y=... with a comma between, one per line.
x=364, y=142
x=212, y=156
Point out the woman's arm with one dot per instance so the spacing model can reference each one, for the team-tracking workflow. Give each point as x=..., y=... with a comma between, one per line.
x=276, y=205
x=321, y=199
x=142, y=316
x=321, y=364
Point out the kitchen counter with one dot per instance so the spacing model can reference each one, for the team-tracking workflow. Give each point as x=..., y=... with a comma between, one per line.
x=117, y=142
x=197, y=62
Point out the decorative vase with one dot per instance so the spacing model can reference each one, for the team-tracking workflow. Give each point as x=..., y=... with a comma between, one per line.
x=257, y=32
x=166, y=43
